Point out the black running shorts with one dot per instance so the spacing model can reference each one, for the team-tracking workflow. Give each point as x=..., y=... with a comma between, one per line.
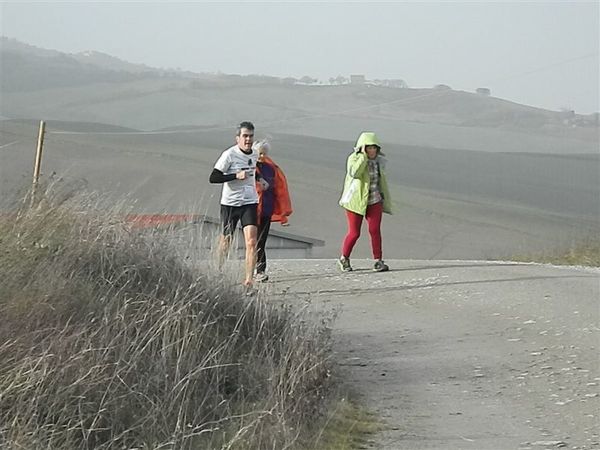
x=231, y=215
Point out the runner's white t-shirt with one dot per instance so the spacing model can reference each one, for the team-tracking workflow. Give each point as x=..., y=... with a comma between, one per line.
x=238, y=192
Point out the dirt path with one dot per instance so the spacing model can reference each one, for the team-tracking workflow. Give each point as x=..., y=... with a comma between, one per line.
x=465, y=355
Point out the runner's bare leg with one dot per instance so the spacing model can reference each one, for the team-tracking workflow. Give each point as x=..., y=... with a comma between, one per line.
x=250, y=236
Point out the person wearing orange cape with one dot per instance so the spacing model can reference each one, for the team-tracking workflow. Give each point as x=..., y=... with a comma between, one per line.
x=274, y=204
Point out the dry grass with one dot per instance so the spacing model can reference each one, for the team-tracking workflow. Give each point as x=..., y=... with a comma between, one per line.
x=108, y=341
x=350, y=426
x=585, y=252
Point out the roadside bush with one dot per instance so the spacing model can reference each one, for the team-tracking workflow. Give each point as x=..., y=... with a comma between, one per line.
x=108, y=340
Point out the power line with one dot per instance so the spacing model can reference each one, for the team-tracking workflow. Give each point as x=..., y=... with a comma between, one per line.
x=549, y=66
x=9, y=144
x=125, y=133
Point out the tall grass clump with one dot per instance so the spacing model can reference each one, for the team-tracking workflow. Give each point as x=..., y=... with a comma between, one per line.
x=109, y=341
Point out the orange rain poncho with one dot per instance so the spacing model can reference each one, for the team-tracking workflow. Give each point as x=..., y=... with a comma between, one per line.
x=282, y=207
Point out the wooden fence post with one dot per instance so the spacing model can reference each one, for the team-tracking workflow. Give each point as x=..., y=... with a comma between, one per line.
x=38, y=160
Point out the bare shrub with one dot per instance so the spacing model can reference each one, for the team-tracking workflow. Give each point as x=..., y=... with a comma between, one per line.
x=107, y=340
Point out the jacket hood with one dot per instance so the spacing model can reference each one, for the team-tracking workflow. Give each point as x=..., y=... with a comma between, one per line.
x=367, y=138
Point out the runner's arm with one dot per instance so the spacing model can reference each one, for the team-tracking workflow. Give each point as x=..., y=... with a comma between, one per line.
x=219, y=177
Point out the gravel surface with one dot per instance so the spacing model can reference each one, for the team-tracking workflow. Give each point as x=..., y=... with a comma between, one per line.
x=464, y=354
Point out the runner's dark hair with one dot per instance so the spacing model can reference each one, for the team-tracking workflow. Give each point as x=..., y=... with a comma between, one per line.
x=246, y=125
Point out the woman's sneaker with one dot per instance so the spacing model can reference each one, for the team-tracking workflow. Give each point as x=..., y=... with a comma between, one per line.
x=344, y=264
x=380, y=266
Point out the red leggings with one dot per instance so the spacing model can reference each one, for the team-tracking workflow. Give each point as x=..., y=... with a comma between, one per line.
x=373, y=216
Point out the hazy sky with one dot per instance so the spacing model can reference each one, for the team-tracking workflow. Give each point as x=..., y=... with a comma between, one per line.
x=541, y=53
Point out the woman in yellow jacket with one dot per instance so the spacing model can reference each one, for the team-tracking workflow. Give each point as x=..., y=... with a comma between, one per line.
x=366, y=195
